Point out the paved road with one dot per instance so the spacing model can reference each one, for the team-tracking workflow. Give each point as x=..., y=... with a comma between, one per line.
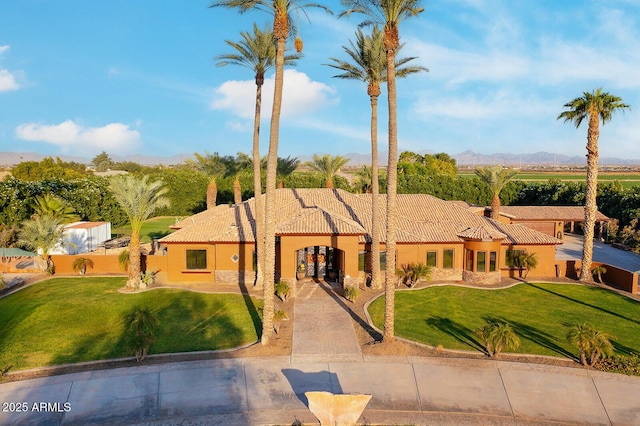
x=572, y=250
x=250, y=391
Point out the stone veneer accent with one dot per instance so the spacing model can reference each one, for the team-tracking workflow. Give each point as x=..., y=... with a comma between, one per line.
x=244, y=277
x=438, y=274
x=481, y=278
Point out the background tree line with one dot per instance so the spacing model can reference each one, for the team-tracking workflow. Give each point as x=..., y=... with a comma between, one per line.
x=187, y=182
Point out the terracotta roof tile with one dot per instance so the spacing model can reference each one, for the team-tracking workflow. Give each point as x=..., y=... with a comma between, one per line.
x=421, y=218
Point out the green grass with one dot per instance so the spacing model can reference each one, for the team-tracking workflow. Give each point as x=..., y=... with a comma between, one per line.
x=156, y=227
x=540, y=314
x=69, y=320
x=627, y=180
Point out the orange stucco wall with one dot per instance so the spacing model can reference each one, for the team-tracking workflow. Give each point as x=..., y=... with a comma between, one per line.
x=177, y=263
x=546, y=260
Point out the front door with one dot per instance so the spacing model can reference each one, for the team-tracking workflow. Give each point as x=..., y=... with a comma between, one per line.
x=317, y=261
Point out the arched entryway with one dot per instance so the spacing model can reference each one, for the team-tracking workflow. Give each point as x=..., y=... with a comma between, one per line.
x=319, y=262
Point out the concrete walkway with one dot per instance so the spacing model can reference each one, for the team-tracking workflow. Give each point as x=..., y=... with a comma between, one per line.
x=325, y=357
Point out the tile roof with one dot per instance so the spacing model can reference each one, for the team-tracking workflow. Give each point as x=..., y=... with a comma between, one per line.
x=421, y=219
x=481, y=233
x=564, y=213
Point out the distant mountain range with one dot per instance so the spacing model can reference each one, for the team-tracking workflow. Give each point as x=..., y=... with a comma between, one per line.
x=466, y=158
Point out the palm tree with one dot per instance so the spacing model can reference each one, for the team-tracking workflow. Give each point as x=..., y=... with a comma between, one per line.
x=81, y=264
x=286, y=166
x=42, y=234
x=598, y=270
x=497, y=336
x=595, y=106
x=388, y=13
x=281, y=10
x=257, y=52
x=370, y=66
x=142, y=324
x=138, y=198
x=212, y=192
x=592, y=344
x=328, y=166
x=55, y=206
x=495, y=177
x=526, y=262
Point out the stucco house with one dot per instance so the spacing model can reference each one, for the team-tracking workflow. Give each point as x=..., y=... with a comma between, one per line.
x=326, y=233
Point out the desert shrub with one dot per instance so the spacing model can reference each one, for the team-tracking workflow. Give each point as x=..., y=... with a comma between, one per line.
x=279, y=316
x=282, y=290
x=629, y=365
x=350, y=293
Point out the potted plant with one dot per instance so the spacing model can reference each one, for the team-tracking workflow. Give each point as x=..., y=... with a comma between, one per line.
x=301, y=271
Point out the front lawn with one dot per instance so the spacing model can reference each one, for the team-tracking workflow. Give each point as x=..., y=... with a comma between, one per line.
x=156, y=227
x=68, y=320
x=540, y=314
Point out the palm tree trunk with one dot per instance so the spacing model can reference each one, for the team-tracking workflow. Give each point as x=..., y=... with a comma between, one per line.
x=237, y=192
x=329, y=182
x=495, y=206
x=375, y=195
x=212, y=193
x=392, y=183
x=134, y=261
x=590, y=206
x=272, y=164
x=257, y=188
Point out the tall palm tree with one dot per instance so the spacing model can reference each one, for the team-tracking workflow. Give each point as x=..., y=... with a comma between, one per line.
x=496, y=177
x=370, y=66
x=286, y=166
x=138, y=198
x=596, y=105
x=328, y=166
x=214, y=166
x=42, y=234
x=281, y=10
x=388, y=13
x=257, y=52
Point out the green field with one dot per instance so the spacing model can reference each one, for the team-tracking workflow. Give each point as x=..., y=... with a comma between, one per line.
x=156, y=227
x=540, y=315
x=69, y=320
x=626, y=179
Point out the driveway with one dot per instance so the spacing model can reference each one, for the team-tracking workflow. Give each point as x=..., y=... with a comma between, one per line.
x=604, y=253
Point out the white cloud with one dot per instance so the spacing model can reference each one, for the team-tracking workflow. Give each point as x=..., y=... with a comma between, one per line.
x=115, y=138
x=301, y=96
x=8, y=80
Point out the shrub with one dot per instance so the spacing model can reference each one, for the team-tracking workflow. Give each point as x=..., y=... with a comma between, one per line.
x=350, y=293
x=279, y=316
x=497, y=336
x=147, y=278
x=410, y=273
x=123, y=260
x=629, y=365
x=141, y=324
x=81, y=264
x=282, y=290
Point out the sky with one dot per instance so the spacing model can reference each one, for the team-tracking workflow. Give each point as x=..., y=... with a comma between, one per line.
x=78, y=77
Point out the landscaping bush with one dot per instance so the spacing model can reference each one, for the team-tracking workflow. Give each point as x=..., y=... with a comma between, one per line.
x=350, y=293
x=629, y=365
x=279, y=316
x=497, y=336
x=282, y=290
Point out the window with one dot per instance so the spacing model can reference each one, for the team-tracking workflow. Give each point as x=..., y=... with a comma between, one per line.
x=432, y=259
x=481, y=259
x=492, y=261
x=512, y=257
x=468, y=263
x=383, y=260
x=364, y=260
x=196, y=259
x=447, y=259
